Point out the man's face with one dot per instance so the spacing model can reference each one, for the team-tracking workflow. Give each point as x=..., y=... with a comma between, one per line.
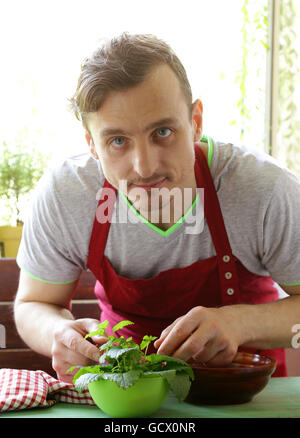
x=145, y=135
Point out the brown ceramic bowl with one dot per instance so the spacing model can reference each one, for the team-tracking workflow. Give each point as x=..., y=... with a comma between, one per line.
x=245, y=377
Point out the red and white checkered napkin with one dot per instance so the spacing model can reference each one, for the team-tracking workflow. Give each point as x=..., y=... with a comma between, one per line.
x=23, y=389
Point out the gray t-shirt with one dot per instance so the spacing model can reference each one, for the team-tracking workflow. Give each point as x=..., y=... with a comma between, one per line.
x=259, y=199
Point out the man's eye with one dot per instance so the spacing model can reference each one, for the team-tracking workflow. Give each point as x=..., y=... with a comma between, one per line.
x=164, y=132
x=118, y=142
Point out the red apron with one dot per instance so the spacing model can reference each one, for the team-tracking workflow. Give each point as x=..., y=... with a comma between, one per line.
x=154, y=303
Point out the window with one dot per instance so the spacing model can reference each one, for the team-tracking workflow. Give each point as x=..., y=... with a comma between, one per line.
x=285, y=84
x=225, y=47
x=46, y=42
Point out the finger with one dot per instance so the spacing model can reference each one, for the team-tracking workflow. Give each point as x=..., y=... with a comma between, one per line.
x=75, y=342
x=65, y=358
x=210, y=350
x=99, y=340
x=164, y=334
x=194, y=345
x=89, y=325
x=223, y=358
x=178, y=334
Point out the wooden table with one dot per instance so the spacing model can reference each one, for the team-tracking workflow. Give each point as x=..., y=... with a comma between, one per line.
x=279, y=399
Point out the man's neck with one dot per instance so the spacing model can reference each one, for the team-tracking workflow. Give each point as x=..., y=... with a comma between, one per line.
x=177, y=212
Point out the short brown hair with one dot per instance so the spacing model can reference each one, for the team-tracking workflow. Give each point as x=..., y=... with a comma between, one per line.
x=119, y=64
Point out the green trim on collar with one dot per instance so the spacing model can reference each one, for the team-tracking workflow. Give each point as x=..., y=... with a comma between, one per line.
x=154, y=227
x=210, y=154
x=205, y=139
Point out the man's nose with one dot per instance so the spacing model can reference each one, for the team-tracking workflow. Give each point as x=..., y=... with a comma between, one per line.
x=145, y=159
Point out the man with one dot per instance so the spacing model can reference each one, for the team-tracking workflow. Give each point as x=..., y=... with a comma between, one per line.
x=204, y=294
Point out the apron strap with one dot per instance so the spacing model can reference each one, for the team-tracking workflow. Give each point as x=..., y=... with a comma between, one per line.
x=226, y=261
x=101, y=226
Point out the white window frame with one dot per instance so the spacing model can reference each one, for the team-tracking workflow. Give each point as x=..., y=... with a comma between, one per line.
x=271, y=122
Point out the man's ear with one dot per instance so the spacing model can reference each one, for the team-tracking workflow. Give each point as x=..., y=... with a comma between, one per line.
x=197, y=112
x=91, y=145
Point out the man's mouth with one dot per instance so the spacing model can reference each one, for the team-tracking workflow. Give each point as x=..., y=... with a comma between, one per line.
x=150, y=185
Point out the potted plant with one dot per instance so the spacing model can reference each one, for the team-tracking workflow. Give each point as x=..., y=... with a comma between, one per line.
x=129, y=383
x=19, y=172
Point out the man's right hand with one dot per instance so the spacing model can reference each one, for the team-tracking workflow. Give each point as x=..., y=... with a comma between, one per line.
x=70, y=348
x=46, y=324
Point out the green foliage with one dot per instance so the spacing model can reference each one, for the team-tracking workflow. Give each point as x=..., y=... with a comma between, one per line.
x=120, y=325
x=123, y=380
x=19, y=173
x=146, y=341
x=289, y=78
x=255, y=44
x=124, y=362
x=99, y=332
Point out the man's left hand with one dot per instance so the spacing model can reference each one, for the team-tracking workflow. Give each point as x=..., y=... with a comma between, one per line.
x=209, y=335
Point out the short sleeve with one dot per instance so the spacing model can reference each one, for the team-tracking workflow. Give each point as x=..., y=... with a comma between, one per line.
x=281, y=231
x=44, y=248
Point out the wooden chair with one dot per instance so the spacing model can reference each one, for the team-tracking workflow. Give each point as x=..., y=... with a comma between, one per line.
x=14, y=353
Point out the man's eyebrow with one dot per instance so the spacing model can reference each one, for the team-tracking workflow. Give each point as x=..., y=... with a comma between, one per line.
x=118, y=131
x=162, y=122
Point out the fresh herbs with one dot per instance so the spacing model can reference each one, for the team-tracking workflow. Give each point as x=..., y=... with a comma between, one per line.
x=124, y=362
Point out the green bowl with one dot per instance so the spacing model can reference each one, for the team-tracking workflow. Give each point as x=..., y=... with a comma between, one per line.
x=139, y=400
